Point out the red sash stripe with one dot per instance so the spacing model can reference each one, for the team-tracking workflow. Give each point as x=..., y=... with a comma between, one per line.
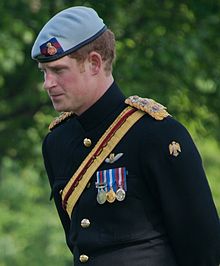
x=96, y=154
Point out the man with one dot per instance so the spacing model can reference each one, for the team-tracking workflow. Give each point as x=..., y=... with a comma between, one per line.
x=126, y=178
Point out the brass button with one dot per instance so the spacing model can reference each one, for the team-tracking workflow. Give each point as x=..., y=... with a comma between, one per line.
x=60, y=192
x=87, y=142
x=88, y=185
x=83, y=258
x=85, y=223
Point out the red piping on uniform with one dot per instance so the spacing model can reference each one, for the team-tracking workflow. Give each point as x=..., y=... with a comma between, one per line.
x=97, y=153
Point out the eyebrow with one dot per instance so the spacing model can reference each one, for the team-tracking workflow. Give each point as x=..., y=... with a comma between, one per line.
x=58, y=66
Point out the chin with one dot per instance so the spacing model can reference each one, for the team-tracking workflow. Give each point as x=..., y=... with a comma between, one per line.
x=59, y=109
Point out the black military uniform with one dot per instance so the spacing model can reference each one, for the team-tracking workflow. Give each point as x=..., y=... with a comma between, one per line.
x=167, y=218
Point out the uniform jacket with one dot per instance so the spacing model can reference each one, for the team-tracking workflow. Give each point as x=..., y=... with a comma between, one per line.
x=167, y=218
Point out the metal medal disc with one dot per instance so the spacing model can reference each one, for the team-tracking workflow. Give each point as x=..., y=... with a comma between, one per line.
x=120, y=194
x=101, y=196
x=111, y=196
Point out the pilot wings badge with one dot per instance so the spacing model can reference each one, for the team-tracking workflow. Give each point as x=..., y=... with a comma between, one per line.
x=174, y=148
x=113, y=158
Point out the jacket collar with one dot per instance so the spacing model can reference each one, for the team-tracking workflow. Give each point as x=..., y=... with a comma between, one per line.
x=106, y=105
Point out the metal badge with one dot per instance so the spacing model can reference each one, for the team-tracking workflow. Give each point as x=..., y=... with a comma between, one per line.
x=113, y=158
x=120, y=194
x=111, y=185
x=51, y=50
x=174, y=148
x=111, y=196
x=101, y=196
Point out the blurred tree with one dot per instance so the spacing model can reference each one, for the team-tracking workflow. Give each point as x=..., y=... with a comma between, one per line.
x=167, y=50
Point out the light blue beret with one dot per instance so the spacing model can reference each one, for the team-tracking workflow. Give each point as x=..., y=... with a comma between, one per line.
x=66, y=32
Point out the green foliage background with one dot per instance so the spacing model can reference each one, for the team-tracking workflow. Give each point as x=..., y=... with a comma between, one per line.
x=167, y=50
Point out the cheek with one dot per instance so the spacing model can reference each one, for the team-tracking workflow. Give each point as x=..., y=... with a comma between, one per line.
x=75, y=83
x=75, y=87
x=67, y=82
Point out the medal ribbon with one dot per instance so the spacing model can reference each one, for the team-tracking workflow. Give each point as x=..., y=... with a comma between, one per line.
x=110, y=179
x=101, y=181
x=121, y=178
x=102, y=149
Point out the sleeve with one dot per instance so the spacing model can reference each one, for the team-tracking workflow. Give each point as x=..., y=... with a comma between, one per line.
x=180, y=184
x=55, y=194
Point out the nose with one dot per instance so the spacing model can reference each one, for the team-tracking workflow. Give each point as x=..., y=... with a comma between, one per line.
x=49, y=81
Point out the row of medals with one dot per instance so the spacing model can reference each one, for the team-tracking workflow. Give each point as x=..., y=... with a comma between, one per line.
x=110, y=195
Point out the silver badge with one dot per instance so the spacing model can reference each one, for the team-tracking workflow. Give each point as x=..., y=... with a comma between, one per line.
x=120, y=194
x=113, y=158
x=101, y=196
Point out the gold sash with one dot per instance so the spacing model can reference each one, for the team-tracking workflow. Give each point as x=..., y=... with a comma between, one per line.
x=102, y=149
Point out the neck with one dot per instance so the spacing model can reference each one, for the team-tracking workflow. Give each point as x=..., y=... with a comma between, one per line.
x=99, y=89
x=105, y=85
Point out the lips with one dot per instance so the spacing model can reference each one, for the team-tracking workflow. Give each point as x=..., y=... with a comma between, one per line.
x=56, y=95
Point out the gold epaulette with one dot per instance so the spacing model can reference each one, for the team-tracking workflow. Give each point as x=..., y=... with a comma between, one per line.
x=154, y=109
x=60, y=119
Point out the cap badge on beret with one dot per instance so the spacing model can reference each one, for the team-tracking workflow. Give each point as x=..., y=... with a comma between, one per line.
x=51, y=50
x=51, y=47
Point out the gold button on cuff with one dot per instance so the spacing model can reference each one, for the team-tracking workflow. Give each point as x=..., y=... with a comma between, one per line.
x=83, y=258
x=87, y=142
x=85, y=223
x=60, y=192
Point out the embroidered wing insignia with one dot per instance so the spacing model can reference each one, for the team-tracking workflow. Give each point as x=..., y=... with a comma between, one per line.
x=113, y=157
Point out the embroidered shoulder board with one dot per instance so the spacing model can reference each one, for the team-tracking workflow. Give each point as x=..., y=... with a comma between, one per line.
x=60, y=119
x=154, y=109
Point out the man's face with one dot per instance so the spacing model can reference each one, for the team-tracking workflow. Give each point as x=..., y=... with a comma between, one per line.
x=67, y=84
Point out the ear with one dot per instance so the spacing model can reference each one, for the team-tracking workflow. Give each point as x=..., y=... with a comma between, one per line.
x=95, y=61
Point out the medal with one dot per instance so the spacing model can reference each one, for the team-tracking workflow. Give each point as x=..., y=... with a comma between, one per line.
x=111, y=185
x=111, y=195
x=121, y=184
x=120, y=194
x=101, y=186
x=101, y=196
